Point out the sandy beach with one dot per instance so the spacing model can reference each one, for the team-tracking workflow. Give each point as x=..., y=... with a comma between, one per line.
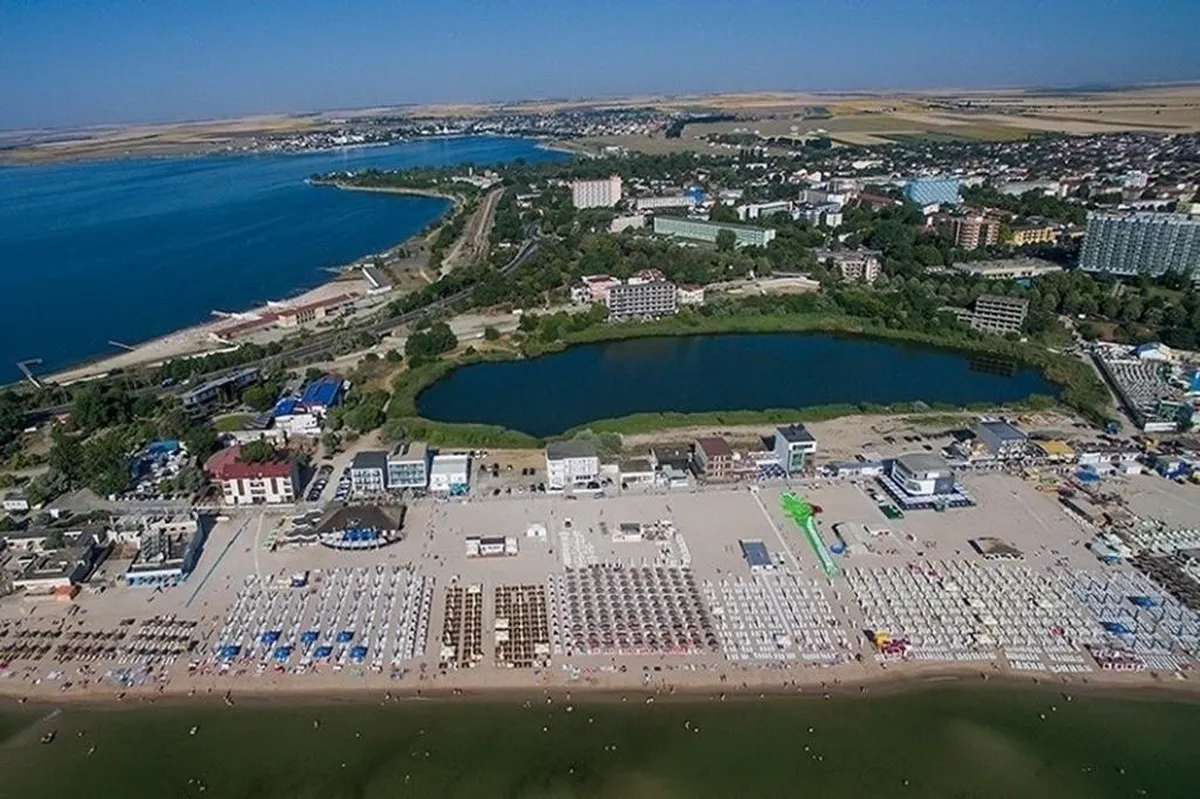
x=817, y=647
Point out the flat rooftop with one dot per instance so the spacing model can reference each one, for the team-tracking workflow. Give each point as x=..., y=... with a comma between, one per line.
x=561, y=450
x=1003, y=431
x=918, y=462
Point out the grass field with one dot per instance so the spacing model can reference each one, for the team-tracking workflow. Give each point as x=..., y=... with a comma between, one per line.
x=976, y=743
x=234, y=421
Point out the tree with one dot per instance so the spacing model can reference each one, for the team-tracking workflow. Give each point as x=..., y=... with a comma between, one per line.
x=7, y=524
x=928, y=255
x=528, y=323
x=432, y=342
x=200, y=441
x=257, y=452
x=490, y=333
x=726, y=240
x=393, y=356
x=54, y=539
x=723, y=213
x=258, y=397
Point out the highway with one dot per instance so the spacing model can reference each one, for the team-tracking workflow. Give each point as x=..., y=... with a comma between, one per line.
x=528, y=248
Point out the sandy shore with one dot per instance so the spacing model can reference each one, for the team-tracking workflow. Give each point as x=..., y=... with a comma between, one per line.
x=850, y=681
x=389, y=190
x=201, y=339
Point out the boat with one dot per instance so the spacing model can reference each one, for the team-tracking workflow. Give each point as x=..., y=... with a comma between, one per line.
x=49, y=737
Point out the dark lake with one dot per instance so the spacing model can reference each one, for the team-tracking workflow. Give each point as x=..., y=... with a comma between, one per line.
x=548, y=395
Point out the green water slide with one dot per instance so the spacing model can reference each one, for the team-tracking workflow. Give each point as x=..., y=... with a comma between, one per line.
x=801, y=513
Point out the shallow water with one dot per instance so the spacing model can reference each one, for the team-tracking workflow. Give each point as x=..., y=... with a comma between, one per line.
x=943, y=742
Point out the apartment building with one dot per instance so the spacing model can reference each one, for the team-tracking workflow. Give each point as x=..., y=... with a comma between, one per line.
x=643, y=300
x=970, y=232
x=995, y=313
x=793, y=445
x=1022, y=235
x=571, y=463
x=596, y=193
x=271, y=482
x=368, y=473
x=700, y=230
x=713, y=458
x=654, y=203
x=1136, y=243
x=854, y=265
x=408, y=467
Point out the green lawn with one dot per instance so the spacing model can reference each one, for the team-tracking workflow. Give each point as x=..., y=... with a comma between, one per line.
x=235, y=421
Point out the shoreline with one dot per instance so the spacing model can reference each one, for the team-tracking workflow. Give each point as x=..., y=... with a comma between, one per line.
x=661, y=421
x=430, y=193
x=188, y=341
x=903, y=678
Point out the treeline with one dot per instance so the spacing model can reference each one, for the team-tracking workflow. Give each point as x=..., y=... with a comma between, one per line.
x=1031, y=203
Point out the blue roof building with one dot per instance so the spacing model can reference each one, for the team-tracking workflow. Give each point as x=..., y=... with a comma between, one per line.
x=930, y=190
x=322, y=394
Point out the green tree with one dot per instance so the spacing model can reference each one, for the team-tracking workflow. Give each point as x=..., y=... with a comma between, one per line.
x=8, y=524
x=259, y=397
x=726, y=240
x=257, y=452
x=490, y=333
x=723, y=213
x=393, y=356
x=200, y=441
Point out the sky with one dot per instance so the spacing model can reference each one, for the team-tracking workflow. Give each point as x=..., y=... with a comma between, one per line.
x=79, y=62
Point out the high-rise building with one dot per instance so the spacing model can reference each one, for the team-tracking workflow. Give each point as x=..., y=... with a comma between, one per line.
x=1136, y=243
x=657, y=298
x=596, y=193
x=930, y=190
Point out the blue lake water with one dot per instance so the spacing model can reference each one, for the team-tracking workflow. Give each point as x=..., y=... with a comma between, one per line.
x=131, y=249
x=551, y=394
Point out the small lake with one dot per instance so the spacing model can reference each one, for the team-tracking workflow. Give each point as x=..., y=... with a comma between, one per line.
x=548, y=395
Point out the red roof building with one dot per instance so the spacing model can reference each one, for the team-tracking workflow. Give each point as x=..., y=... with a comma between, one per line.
x=267, y=483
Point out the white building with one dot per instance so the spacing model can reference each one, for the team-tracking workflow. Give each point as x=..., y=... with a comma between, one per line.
x=368, y=473
x=272, y=482
x=571, y=463
x=450, y=474
x=793, y=445
x=15, y=502
x=1141, y=243
x=690, y=295
x=756, y=210
x=630, y=222
x=923, y=474
x=408, y=467
x=596, y=193
x=677, y=201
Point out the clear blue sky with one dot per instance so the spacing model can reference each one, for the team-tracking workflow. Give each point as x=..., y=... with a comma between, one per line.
x=71, y=62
